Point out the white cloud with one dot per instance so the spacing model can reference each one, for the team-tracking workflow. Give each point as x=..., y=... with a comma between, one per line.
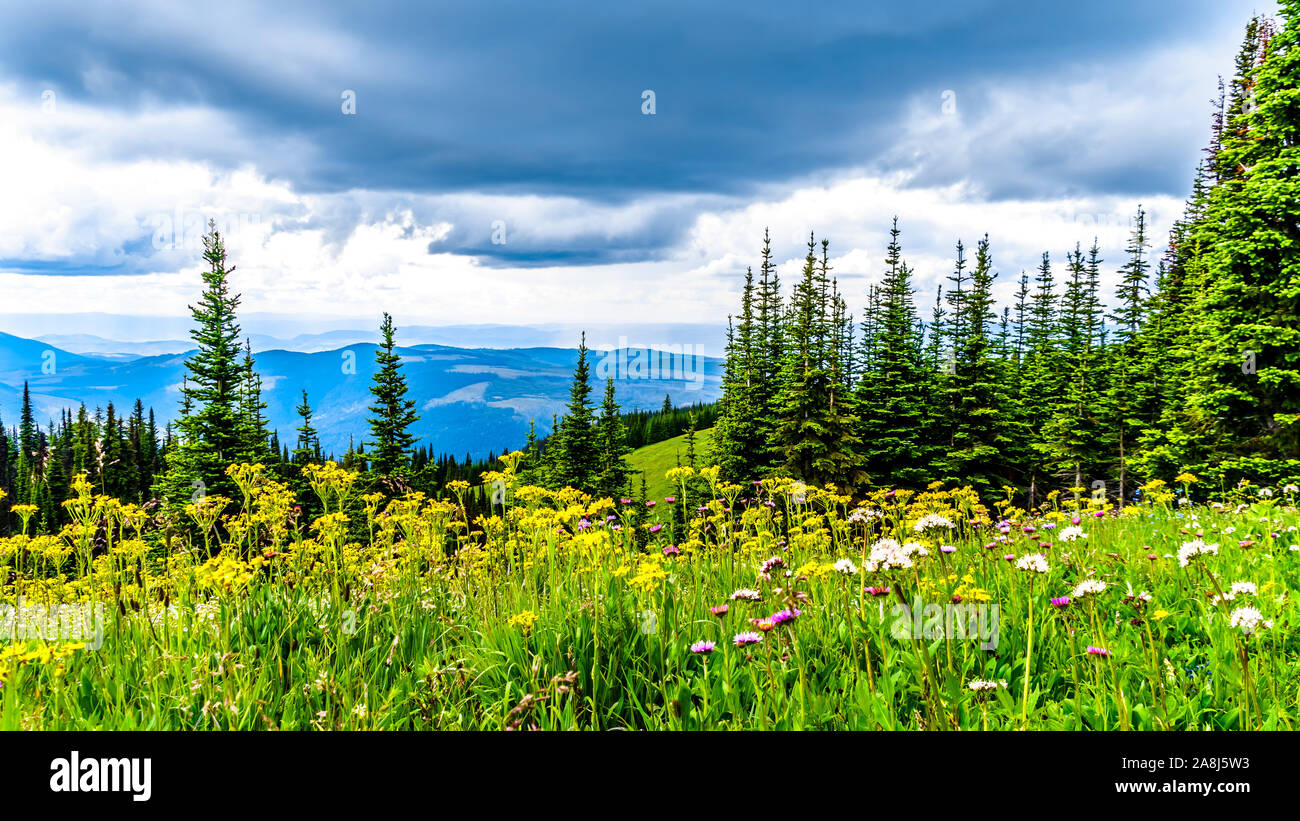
x=353, y=254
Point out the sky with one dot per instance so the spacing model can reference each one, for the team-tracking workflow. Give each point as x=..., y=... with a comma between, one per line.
x=566, y=162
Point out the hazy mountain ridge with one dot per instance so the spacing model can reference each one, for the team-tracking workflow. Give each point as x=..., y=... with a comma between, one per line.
x=471, y=400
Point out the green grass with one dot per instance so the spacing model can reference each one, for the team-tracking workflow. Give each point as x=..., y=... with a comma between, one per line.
x=1073, y=616
x=657, y=459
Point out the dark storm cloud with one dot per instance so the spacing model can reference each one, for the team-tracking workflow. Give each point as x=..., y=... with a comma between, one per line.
x=545, y=98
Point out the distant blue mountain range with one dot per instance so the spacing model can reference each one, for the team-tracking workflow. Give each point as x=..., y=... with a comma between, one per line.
x=471, y=400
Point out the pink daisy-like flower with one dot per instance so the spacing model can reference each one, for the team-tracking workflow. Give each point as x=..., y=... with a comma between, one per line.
x=671, y=550
x=1098, y=651
x=720, y=610
x=783, y=616
x=746, y=639
x=703, y=648
x=670, y=499
x=1061, y=601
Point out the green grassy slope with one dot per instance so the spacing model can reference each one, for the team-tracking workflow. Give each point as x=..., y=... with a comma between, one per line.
x=657, y=459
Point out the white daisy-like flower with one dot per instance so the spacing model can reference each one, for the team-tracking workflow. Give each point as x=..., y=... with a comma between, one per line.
x=1247, y=619
x=847, y=567
x=932, y=521
x=1088, y=587
x=1247, y=588
x=980, y=685
x=1069, y=534
x=1034, y=562
x=746, y=594
x=863, y=515
x=1196, y=547
x=888, y=554
x=1266, y=492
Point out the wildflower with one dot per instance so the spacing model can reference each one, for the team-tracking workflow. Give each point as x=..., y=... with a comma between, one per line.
x=947, y=549
x=703, y=648
x=764, y=624
x=877, y=591
x=671, y=550
x=1069, y=534
x=746, y=639
x=1160, y=615
x=1247, y=619
x=670, y=499
x=771, y=564
x=863, y=515
x=1034, y=562
x=932, y=521
x=783, y=616
x=1247, y=588
x=1061, y=601
x=1190, y=550
x=847, y=567
x=524, y=621
x=1088, y=587
x=746, y=594
x=979, y=685
x=1098, y=651
x=720, y=610
x=888, y=554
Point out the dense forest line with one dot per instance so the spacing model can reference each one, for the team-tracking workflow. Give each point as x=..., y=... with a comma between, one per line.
x=1190, y=369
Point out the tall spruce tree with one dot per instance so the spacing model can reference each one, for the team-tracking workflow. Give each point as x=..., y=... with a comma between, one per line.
x=212, y=434
x=577, y=454
x=612, y=445
x=393, y=414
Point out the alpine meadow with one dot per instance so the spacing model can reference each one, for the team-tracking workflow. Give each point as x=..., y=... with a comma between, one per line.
x=920, y=492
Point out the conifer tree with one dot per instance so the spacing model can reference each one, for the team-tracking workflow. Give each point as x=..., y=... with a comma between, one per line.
x=892, y=394
x=393, y=414
x=1245, y=396
x=211, y=431
x=577, y=457
x=612, y=442
x=977, y=395
x=307, y=450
